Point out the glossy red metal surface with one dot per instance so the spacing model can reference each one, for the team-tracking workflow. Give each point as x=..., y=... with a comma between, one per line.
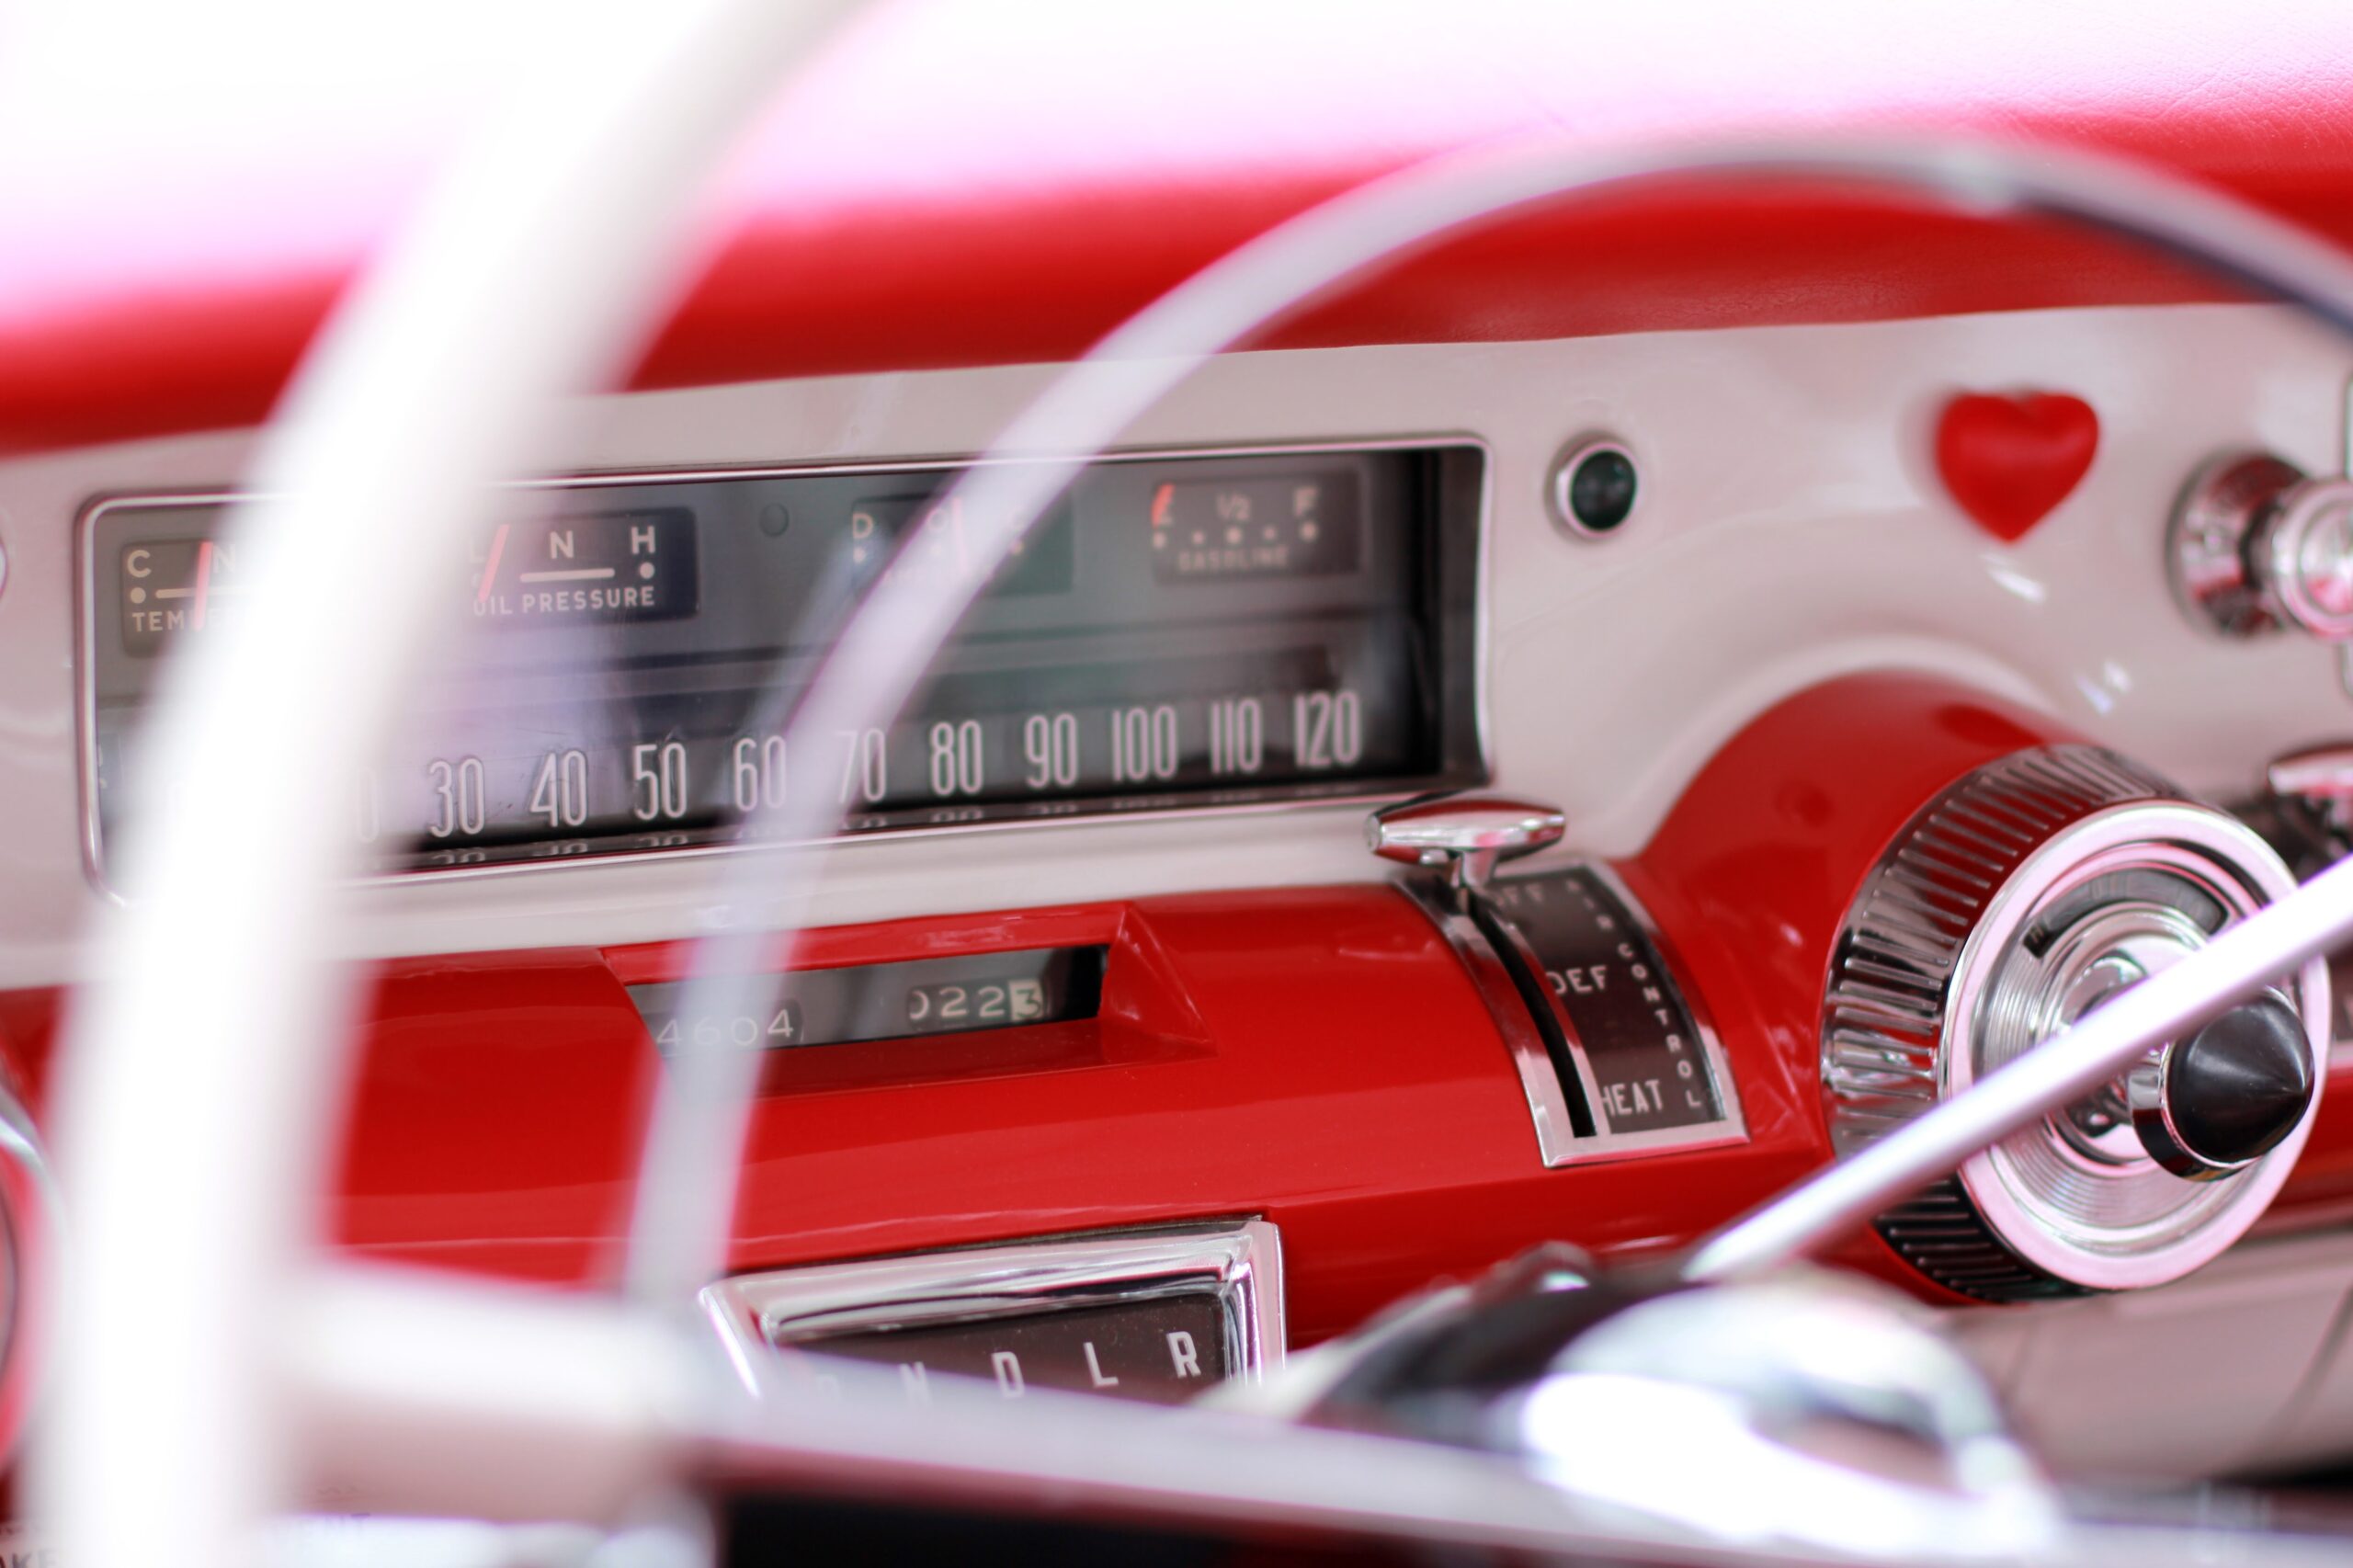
x=495, y=1118
x=952, y=190
x=1343, y=1080
x=1316, y=1056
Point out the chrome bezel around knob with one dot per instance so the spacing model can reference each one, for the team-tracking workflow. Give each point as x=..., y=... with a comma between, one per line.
x=2239, y=548
x=2282, y=558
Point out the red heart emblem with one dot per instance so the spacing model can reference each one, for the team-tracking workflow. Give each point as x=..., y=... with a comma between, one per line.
x=2008, y=461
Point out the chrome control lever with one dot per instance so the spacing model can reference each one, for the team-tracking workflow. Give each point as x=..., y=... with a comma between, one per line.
x=1466, y=836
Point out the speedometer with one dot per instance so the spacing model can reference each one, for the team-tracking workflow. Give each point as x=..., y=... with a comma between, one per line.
x=1180, y=632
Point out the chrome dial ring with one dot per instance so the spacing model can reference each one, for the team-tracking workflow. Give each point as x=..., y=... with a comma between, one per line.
x=2019, y=899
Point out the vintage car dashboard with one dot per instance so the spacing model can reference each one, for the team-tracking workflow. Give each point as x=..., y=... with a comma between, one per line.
x=1542, y=658
x=1105, y=962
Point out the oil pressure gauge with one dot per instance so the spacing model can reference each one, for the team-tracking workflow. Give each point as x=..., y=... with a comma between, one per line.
x=581, y=568
x=588, y=567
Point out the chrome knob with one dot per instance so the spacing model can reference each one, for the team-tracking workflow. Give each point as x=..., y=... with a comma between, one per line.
x=2303, y=550
x=2027, y=894
x=2258, y=546
x=1883, y=1441
x=1466, y=835
x=2319, y=776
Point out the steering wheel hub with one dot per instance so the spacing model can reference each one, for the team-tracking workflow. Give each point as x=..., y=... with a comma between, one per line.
x=2030, y=893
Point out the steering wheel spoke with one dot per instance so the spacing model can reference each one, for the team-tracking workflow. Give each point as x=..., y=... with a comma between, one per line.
x=422, y=1392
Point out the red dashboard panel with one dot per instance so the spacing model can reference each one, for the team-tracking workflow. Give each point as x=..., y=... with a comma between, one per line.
x=951, y=189
x=1315, y=1056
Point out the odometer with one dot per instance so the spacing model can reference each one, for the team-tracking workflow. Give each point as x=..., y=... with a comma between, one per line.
x=1185, y=631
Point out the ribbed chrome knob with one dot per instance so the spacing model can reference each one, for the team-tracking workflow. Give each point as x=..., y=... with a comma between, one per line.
x=2025, y=895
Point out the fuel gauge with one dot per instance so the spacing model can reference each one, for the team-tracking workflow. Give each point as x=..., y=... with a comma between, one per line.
x=1302, y=525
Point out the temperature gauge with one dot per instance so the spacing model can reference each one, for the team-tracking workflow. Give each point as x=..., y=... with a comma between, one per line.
x=593, y=568
x=170, y=586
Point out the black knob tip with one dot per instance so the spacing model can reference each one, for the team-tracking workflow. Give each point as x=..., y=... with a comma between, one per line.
x=2238, y=1086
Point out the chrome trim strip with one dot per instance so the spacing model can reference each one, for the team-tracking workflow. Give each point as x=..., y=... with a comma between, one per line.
x=33, y=1233
x=1241, y=1264
x=1478, y=567
x=1540, y=1081
x=1548, y=1107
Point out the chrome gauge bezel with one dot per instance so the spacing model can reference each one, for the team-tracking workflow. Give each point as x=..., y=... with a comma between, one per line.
x=1464, y=670
x=1237, y=1265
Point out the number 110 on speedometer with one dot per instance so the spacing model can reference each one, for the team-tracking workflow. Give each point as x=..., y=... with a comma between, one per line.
x=1147, y=744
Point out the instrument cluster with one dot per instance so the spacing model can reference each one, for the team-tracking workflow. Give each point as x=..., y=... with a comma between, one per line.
x=1188, y=632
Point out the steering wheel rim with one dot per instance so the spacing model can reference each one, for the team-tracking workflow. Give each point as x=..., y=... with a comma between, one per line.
x=105, y=1114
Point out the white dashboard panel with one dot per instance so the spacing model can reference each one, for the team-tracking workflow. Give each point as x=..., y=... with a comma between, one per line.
x=1791, y=528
